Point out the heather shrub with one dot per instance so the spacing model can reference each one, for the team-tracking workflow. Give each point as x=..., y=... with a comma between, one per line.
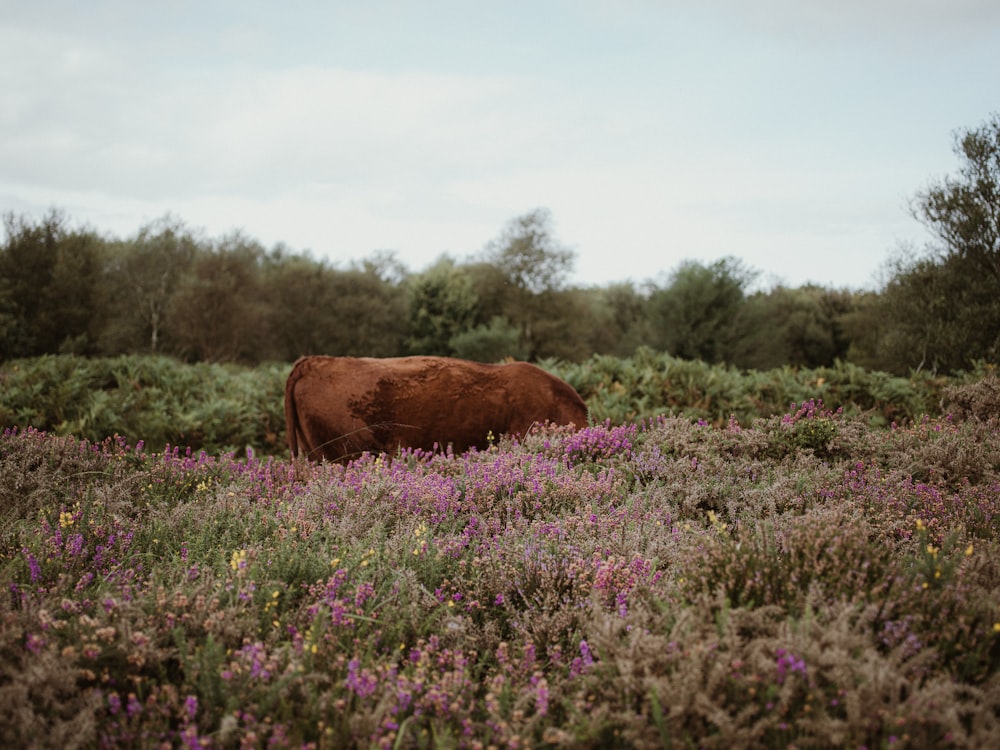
x=40, y=473
x=979, y=400
x=941, y=451
x=827, y=554
x=714, y=676
x=734, y=471
x=801, y=579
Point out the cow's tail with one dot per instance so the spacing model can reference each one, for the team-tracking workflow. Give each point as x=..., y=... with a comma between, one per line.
x=291, y=413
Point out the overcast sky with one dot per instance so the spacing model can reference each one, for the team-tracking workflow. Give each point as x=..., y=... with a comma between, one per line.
x=787, y=133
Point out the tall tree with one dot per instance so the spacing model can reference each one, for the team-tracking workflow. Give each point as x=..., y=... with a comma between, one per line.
x=442, y=305
x=215, y=314
x=963, y=212
x=931, y=315
x=623, y=319
x=801, y=326
x=694, y=314
x=942, y=311
x=529, y=255
x=49, y=275
x=300, y=319
x=368, y=312
x=533, y=265
x=143, y=274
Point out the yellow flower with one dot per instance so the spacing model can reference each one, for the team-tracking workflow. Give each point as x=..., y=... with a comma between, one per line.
x=238, y=560
x=968, y=550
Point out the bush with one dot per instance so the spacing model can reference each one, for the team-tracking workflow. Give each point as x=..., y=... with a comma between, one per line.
x=670, y=582
x=158, y=400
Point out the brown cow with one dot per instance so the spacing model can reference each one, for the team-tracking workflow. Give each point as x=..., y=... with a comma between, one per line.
x=338, y=407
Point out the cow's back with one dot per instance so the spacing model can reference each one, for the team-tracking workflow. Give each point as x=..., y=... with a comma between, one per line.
x=339, y=407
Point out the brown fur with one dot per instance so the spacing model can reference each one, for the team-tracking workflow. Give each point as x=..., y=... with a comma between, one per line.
x=338, y=407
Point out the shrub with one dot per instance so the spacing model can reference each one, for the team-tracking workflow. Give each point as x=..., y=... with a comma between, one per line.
x=803, y=579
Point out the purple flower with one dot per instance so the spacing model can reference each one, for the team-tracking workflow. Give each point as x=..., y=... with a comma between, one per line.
x=541, y=686
x=34, y=569
x=363, y=682
x=133, y=707
x=34, y=643
x=786, y=662
x=583, y=662
x=74, y=545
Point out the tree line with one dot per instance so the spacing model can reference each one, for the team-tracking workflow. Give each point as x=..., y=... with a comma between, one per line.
x=167, y=289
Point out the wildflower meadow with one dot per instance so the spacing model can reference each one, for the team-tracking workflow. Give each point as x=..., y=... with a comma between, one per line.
x=801, y=580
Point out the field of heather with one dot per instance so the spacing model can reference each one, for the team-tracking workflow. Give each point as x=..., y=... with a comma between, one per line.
x=799, y=580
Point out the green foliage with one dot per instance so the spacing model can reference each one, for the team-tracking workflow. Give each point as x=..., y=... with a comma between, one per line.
x=213, y=315
x=649, y=384
x=800, y=327
x=942, y=310
x=693, y=314
x=217, y=407
x=532, y=266
x=365, y=315
x=142, y=274
x=312, y=308
x=155, y=399
x=619, y=322
x=934, y=315
x=48, y=286
x=489, y=343
x=442, y=306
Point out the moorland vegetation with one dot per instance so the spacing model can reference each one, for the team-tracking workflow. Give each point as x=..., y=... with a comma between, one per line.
x=803, y=580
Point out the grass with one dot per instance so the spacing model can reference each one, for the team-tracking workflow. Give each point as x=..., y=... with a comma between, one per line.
x=802, y=580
